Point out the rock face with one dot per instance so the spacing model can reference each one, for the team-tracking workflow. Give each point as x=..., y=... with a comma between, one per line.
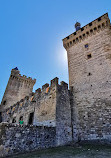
x=56, y=115
x=89, y=63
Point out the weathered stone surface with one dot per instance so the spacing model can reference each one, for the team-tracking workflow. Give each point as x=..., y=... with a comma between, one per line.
x=81, y=113
x=18, y=139
x=90, y=77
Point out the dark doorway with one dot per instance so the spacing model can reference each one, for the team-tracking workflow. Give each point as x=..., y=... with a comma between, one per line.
x=31, y=116
x=14, y=120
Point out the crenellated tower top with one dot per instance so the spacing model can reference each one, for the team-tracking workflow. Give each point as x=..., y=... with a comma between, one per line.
x=17, y=88
x=87, y=30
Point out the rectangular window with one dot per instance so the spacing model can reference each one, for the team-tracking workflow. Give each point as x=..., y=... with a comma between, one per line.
x=89, y=56
x=86, y=45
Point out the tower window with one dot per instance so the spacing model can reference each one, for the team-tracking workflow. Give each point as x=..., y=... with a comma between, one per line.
x=89, y=74
x=99, y=19
x=80, y=37
x=99, y=27
x=73, y=41
x=86, y=46
x=82, y=29
x=74, y=33
x=102, y=24
x=76, y=39
x=89, y=56
x=91, y=31
x=90, y=24
x=70, y=42
x=4, y=102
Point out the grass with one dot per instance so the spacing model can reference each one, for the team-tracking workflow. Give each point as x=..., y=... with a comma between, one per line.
x=86, y=151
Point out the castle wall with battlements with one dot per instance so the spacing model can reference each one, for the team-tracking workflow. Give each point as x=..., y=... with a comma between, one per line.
x=80, y=113
x=50, y=107
x=17, y=88
x=89, y=63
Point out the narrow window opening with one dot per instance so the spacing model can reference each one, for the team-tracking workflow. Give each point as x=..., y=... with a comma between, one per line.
x=68, y=37
x=95, y=28
x=89, y=56
x=76, y=39
x=89, y=74
x=82, y=29
x=74, y=33
x=80, y=37
x=99, y=27
x=83, y=35
x=102, y=24
x=4, y=103
x=70, y=42
x=86, y=45
x=31, y=118
x=91, y=31
x=73, y=41
x=106, y=23
x=87, y=33
x=90, y=24
x=99, y=19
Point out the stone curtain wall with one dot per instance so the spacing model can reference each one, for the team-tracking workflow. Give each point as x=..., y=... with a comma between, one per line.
x=18, y=139
x=42, y=103
x=45, y=110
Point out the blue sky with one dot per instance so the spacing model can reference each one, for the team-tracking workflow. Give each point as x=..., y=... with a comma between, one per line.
x=31, y=33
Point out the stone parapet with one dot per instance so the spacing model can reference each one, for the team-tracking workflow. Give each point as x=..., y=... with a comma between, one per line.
x=88, y=30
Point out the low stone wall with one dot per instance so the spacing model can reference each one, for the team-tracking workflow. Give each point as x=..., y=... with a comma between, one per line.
x=19, y=139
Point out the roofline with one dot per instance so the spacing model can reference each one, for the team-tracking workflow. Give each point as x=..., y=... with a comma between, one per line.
x=87, y=24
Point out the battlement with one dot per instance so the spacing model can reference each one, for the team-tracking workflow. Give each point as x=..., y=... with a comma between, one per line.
x=87, y=30
x=17, y=88
x=35, y=96
x=15, y=74
x=53, y=83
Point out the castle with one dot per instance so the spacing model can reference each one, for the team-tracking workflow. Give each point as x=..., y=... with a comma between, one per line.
x=62, y=115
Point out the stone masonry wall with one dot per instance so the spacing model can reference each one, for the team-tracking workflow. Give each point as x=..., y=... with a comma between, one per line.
x=63, y=115
x=19, y=139
x=45, y=109
x=91, y=82
x=42, y=103
x=17, y=88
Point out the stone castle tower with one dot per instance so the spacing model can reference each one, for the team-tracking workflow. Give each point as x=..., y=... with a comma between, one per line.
x=17, y=88
x=89, y=64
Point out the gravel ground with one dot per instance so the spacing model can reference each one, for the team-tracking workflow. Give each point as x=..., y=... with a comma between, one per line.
x=86, y=151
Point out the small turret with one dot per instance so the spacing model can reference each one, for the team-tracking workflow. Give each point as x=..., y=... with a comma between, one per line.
x=77, y=26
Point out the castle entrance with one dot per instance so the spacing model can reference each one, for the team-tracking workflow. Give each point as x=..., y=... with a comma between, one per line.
x=31, y=118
